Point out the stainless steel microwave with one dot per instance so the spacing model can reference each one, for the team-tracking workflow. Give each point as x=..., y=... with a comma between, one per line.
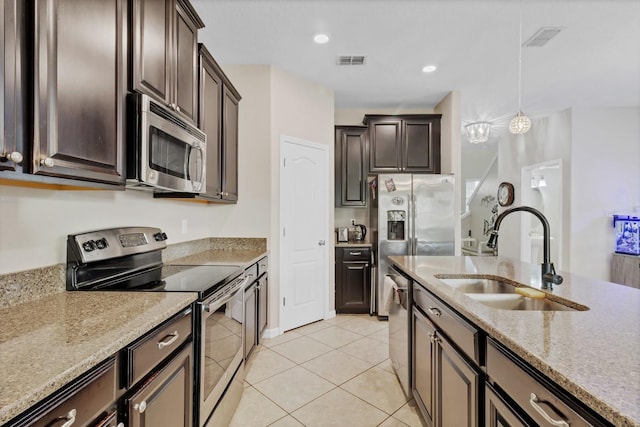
x=164, y=153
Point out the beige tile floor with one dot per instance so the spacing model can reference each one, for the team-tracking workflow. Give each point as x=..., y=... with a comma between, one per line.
x=334, y=372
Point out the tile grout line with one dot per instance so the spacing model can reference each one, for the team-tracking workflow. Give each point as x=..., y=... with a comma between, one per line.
x=334, y=386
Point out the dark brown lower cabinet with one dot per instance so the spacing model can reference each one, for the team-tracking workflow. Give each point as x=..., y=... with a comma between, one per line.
x=165, y=399
x=445, y=386
x=89, y=400
x=250, y=318
x=456, y=387
x=531, y=396
x=263, y=292
x=353, y=280
x=423, y=361
x=497, y=413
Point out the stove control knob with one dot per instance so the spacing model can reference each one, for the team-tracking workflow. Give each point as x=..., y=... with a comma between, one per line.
x=101, y=243
x=88, y=246
x=158, y=237
x=164, y=236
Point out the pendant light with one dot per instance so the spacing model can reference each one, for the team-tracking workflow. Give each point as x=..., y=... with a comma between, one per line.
x=520, y=124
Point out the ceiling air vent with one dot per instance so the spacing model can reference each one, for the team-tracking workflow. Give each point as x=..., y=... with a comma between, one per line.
x=542, y=36
x=351, y=60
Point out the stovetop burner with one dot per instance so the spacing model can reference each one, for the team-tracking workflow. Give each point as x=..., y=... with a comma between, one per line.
x=129, y=259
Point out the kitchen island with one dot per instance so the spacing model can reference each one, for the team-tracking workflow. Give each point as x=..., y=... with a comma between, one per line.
x=594, y=355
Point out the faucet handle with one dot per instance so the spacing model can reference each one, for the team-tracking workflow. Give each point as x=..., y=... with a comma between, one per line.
x=550, y=277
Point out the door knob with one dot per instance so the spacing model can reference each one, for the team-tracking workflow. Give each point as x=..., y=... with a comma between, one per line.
x=321, y=243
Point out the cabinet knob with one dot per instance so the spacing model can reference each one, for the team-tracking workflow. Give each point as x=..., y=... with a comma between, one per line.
x=48, y=162
x=140, y=407
x=321, y=243
x=15, y=157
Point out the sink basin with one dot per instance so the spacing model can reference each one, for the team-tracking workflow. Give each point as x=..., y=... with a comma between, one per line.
x=518, y=302
x=481, y=286
x=500, y=293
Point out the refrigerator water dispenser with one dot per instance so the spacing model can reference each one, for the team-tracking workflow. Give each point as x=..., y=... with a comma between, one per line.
x=395, y=225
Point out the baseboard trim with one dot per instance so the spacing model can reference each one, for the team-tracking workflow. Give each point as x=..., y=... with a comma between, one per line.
x=271, y=333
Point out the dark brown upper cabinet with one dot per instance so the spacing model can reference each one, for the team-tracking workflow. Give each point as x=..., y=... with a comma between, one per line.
x=12, y=32
x=351, y=165
x=164, y=37
x=404, y=143
x=218, y=118
x=78, y=89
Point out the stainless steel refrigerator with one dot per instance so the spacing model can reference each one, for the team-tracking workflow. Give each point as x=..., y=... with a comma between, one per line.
x=411, y=214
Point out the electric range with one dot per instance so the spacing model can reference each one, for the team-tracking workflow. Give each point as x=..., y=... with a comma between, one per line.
x=129, y=259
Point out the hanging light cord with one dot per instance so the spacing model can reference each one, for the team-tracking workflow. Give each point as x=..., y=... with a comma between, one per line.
x=520, y=62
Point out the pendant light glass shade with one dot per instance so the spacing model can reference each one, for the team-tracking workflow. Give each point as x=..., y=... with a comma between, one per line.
x=520, y=124
x=478, y=132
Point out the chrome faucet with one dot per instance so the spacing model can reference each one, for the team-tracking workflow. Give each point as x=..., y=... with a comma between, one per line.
x=549, y=276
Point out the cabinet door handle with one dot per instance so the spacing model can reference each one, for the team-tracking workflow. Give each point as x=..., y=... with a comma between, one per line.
x=534, y=402
x=70, y=418
x=435, y=311
x=167, y=342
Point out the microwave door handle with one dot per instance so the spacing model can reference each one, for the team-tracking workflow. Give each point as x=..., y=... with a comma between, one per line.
x=190, y=158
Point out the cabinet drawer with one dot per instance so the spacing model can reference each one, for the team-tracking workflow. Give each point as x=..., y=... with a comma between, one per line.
x=263, y=266
x=144, y=355
x=251, y=272
x=356, y=254
x=528, y=392
x=85, y=400
x=464, y=334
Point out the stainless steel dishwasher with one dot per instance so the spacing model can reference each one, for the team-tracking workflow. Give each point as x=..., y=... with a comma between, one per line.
x=397, y=296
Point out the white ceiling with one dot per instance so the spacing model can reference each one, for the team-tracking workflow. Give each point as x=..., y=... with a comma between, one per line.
x=595, y=61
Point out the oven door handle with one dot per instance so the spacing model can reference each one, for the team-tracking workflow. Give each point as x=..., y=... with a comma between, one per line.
x=238, y=285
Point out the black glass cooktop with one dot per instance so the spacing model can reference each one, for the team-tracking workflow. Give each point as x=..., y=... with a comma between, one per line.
x=203, y=279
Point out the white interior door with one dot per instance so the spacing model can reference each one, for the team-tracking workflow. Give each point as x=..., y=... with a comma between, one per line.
x=304, y=232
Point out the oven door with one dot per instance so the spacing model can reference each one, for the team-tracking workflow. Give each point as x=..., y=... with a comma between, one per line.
x=171, y=152
x=221, y=349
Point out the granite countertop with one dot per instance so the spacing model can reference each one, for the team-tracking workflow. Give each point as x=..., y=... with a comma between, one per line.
x=44, y=344
x=242, y=258
x=354, y=244
x=594, y=354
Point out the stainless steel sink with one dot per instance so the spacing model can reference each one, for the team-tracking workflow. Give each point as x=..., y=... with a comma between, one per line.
x=480, y=286
x=500, y=293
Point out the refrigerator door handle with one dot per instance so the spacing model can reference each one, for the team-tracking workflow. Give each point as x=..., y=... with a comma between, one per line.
x=372, y=291
x=414, y=239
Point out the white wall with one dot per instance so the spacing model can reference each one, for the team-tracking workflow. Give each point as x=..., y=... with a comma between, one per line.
x=548, y=139
x=600, y=152
x=451, y=148
x=34, y=223
x=302, y=110
x=482, y=204
x=605, y=179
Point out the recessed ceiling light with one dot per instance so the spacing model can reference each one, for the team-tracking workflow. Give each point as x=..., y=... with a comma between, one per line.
x=321, y=38
x=429, y=68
